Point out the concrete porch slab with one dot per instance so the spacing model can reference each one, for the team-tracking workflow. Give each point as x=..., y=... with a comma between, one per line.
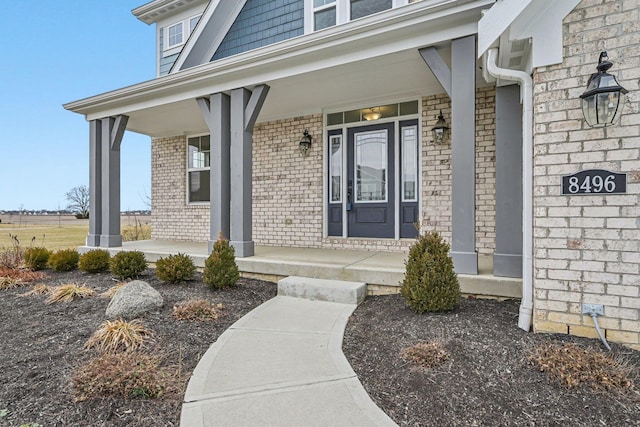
x=376, y=269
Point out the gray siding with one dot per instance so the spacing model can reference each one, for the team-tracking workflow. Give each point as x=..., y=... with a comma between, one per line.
x=261, y=23
x=165, y=62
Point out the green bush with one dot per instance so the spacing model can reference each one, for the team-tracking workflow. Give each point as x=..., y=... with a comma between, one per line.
x=94, y=261
x=36, y=258
x=430, y=284
x=220, y=268
x=128, y=265
x=64, y=260
x=175, y=268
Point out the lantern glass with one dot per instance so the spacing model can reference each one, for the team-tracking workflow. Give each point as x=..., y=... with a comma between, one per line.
x=603, y=101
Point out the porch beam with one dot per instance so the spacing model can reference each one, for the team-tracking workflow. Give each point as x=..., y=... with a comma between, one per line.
x=95, y=183
x=245, y=107
x=112, y=132
x=438, y=67
x=463, y=148
x=216, y=111
x=507, y=258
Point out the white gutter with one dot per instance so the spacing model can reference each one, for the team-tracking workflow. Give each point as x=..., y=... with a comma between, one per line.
x=526, y=96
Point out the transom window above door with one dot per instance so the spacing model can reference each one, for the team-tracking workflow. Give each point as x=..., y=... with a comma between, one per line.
x=322, y=14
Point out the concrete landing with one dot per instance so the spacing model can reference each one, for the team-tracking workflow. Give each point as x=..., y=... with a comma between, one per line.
x=281, y=364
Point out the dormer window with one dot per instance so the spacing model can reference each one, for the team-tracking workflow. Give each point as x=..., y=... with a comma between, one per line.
x=322, y=14
x=176, y=34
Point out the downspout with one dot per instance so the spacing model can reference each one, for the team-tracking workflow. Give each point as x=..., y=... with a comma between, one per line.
x=526, y=95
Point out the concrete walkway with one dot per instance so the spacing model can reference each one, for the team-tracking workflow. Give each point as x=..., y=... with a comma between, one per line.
x=281, y=365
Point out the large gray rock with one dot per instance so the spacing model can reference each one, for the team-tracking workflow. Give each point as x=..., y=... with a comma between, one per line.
x=133, y=300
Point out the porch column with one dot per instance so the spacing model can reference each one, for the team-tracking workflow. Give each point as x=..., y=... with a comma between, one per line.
x=216, y=110
x=507, y=259
x=95, y=183
x=112, y=132
x=460, y=84
x=463, y=156
x=245, y=107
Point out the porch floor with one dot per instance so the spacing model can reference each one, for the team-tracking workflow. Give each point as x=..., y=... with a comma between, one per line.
x=381, y=271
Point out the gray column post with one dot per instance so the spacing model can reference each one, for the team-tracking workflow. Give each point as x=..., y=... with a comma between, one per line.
x=463, y=157
x=216, y=111
x=245, y=107
x=112, y=132
x=95, y=183
x=507, y=259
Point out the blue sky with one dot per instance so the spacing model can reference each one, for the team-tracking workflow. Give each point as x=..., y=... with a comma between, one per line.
x=56, y=52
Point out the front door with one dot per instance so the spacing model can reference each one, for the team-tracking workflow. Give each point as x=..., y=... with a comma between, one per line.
x=371, y=181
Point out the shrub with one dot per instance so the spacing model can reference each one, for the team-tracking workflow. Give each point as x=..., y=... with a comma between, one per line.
x=128, y=265
x=12, y=277
x=39, y=289
x=197, y=310
x=175, y=268
x=94, y=261
x=109, y=293
x=69, y=292
x=12, y=257
x=127, y=375
x=430, y=284
x=426, y=354
x=119, y=335
x=575, y=366
x=64, y=260
x=36, y=258
x=220, y=268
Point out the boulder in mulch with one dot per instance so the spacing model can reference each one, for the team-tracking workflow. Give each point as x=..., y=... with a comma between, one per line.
x=133, y=300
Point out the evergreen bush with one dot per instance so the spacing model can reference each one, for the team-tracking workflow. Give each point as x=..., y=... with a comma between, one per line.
x=127, y=265
x=94, y=261
x=64, y=260
x=36, y=258
x=430, y=284
x=220, y=268
x=175, y=268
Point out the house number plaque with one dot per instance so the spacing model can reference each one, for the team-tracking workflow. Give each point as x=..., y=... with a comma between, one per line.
x=594, y=181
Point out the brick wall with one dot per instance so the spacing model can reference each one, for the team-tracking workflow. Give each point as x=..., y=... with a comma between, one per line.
x=171, y=217
x=288, y=187
x=586, y=248
x=436, y=169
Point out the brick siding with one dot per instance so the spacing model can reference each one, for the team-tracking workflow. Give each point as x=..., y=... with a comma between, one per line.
x=586, y=248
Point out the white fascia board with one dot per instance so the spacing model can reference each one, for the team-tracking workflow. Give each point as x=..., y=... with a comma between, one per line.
x=214, y=24
x=403, y=28
x=156, y=10
x=496, y=20
x=541, y=21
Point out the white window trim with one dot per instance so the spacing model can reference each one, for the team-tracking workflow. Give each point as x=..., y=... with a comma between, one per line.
x=189, y=170
x=342, y=12
x=401, y=151
x=186, y=25
x=342, y=150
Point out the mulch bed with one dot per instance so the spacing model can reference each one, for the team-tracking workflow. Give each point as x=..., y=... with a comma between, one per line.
x=487, y=379
x=41, y=346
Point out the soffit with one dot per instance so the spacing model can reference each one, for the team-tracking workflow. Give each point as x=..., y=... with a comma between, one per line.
x=322, y=70
x=156, y=10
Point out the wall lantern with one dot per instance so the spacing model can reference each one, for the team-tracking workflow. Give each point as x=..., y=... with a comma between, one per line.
x=305, y=143
x=603, y=100
x=372, y=114
x=440, y=131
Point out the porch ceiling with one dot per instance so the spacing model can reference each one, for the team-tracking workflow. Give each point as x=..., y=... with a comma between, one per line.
x=355, y=85
x=363, y=63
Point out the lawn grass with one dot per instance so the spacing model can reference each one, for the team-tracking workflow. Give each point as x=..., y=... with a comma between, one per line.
x=48, y=236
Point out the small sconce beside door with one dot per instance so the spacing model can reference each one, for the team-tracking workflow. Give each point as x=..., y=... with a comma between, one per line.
x=440, y=131
x=305, y=143
x=603, y=100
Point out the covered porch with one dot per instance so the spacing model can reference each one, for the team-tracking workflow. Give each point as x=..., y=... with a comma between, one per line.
x=381, y=271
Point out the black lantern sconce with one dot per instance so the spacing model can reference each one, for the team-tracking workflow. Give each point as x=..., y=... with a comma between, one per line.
x=305, y=143
x=603, y=100
x=440, y=131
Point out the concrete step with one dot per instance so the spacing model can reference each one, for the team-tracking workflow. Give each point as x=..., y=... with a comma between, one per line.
x=323, y=289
